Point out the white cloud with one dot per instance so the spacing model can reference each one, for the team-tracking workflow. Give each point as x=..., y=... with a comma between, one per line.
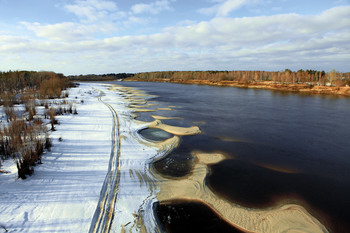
x=91, y=10
x=223, y=8
x=265, y=42
x=152, y=8
x=106, y=12
x=67, y=31
x=5, y=39
x=230, y=5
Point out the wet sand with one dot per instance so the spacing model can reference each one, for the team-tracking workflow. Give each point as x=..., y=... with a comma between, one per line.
x=286, y=218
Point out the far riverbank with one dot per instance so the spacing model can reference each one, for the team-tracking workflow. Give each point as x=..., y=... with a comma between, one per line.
x=267, y=85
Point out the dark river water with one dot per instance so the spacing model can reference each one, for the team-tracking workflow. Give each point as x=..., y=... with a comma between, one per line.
x=282, y=148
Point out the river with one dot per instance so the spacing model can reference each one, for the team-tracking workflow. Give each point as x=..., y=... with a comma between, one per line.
x=280, y=148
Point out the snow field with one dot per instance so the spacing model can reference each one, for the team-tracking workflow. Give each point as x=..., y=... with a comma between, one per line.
x=63, y=193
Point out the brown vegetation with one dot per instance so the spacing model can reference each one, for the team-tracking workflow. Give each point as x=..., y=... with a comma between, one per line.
x=52, y=88
x=20, y=81
x=25, y=136
x=24, y=142
x=30, y=108
x=309, y=81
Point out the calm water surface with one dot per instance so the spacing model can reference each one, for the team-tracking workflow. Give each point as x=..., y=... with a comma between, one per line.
x=282, y=147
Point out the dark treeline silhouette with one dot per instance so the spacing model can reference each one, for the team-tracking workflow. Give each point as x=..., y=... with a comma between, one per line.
x=41, y=84
x=14, y=81
x=287, y=76
x=100, y=77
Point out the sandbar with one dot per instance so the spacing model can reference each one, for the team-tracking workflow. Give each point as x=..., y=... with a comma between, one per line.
x=165, y=118
x=179, y=131
x=285, y=218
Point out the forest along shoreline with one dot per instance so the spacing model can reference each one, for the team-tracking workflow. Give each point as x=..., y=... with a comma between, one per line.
x=307, y=82
x=297, y=88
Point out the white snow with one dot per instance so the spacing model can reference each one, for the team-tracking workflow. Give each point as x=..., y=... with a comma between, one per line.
x=64, y=191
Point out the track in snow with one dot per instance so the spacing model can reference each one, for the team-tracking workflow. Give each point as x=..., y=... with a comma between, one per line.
x=104, y=213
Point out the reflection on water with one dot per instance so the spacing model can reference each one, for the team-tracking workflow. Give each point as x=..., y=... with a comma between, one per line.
x=280, y=146
x=182, y=216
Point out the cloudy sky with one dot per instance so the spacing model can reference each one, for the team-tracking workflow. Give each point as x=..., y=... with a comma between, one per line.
x=104, y=36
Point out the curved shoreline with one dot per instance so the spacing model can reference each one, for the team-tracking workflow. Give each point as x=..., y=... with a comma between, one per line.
x=267, y=85
x=288, y=217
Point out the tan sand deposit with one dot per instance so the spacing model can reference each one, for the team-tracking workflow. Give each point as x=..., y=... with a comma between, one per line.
x=168, y=144
x=164, y=118
x=138, y=106
x=180, y=131
x=144, y=110
x=165, y=109
x=286, y=218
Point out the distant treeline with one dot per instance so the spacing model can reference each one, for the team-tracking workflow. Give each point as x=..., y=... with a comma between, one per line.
x=287, y=76
x=43, y=84
x=100, y=77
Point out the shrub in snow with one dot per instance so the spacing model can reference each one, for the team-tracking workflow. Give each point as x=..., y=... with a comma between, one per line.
x=48, y=143
x=24, y=142
x=53, y=121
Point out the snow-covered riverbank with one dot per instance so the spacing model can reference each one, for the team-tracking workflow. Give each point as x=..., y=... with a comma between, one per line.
x=98, y=176
x=64, y=193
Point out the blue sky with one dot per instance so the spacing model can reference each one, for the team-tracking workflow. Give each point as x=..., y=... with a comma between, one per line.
x=103, y=36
